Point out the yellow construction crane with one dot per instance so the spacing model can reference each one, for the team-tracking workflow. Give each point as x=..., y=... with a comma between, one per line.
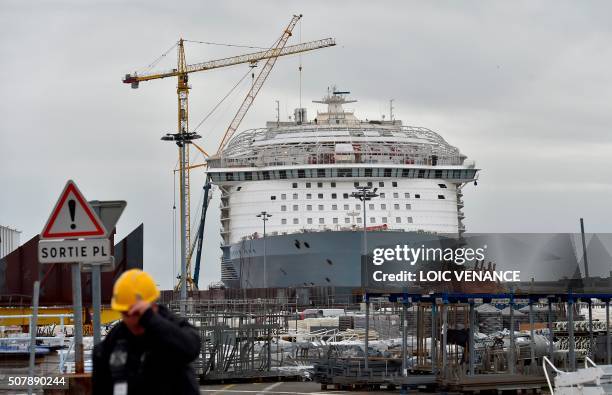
x=184, y=137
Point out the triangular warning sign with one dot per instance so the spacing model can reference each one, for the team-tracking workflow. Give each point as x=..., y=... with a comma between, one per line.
x=72, y=217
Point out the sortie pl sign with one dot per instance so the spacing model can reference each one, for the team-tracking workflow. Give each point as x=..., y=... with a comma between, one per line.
x=72, y=219
x=85, y=251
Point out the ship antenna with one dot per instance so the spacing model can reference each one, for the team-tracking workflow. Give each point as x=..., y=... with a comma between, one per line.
x=277, y=113
x=300, y=66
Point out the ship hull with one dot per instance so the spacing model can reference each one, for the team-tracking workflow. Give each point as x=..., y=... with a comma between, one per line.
x=307, y=259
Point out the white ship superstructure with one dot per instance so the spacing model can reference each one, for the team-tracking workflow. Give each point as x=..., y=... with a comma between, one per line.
x=304, y=171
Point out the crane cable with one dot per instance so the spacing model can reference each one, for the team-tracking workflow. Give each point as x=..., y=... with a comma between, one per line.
x=223, y=44
x=158, y=59
x=220, y=102
x=174, y=229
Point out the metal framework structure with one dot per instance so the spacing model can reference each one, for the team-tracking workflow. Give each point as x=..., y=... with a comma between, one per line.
x=320, y=144
x=239, y=337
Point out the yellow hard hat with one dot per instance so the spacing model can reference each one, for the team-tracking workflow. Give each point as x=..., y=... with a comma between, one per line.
x=131, y=286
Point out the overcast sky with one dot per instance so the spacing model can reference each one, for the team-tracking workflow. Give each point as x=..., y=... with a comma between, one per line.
x=523, y=88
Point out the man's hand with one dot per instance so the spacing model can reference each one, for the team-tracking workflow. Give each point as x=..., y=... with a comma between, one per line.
x=139, y=308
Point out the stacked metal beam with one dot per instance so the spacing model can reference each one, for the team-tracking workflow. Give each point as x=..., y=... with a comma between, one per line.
x=489, y=318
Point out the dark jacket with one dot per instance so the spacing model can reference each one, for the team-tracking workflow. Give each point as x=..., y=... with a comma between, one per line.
x=157, y=362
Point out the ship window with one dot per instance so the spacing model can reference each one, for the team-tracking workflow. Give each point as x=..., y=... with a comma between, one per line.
x=358, y=219
x=266, y=175
x=307, y=185
x=387, y=172
x=333, y=184
x=356, y=184
x=295, y=196
x=395, y=195
x=345, y=195
x=301, y=174
x=358, y=207
x=384, y=220
x=320, y=196
x=407, y=195
x=443, y=186
x=319, y=184
x=394, y=183
x=296, y=221
x=308, y=196
x=382, y=195
x=284, y=221
x=405, y=173
x=294, y=185
x=248, y=176
x=321, y=220
x=347, y=220
x=346, y=206
x=417, y=196
x=409, y=220
x=381, y=184
x=368, y=172
x=272, y=197
x=338, y=121
x=239, y=188
x=371, y=207
x=335, y=220
x=309, y=207
x=282, y=174
x=369, y=183
x=283, y=208
x=409, y=207
x=295, y=207
x=438, y=174
x=320, y=174
x=441, y=197
x=383, y=206
x=321, y=207
x=229, y=176
x=372, y=220
x=283, y=196
x=345, y=172
x=309, y=221
x=334, y=207
x=421, y=173
x=334, y=196
x=396, y=206
x=398, y=220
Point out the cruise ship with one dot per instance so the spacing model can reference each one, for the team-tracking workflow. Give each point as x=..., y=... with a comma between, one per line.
x=302, y=174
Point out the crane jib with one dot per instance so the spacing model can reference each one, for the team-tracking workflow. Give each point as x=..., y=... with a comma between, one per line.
x=233, y=60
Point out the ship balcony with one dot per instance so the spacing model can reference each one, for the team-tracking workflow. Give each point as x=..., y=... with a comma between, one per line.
x=277, y=159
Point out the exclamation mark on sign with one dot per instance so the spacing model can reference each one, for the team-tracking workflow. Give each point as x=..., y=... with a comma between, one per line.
x=72, y=209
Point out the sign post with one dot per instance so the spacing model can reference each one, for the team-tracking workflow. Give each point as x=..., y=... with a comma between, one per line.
x=84, y=240
x=109, y=212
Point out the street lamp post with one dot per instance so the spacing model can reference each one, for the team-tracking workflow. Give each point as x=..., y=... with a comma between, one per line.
x=264, y=217
x=364, y=194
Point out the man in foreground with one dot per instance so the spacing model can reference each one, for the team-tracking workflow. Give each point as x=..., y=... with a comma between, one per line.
x=150, y=350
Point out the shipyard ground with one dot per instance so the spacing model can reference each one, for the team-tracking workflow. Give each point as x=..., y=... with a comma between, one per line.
x=282, y=388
